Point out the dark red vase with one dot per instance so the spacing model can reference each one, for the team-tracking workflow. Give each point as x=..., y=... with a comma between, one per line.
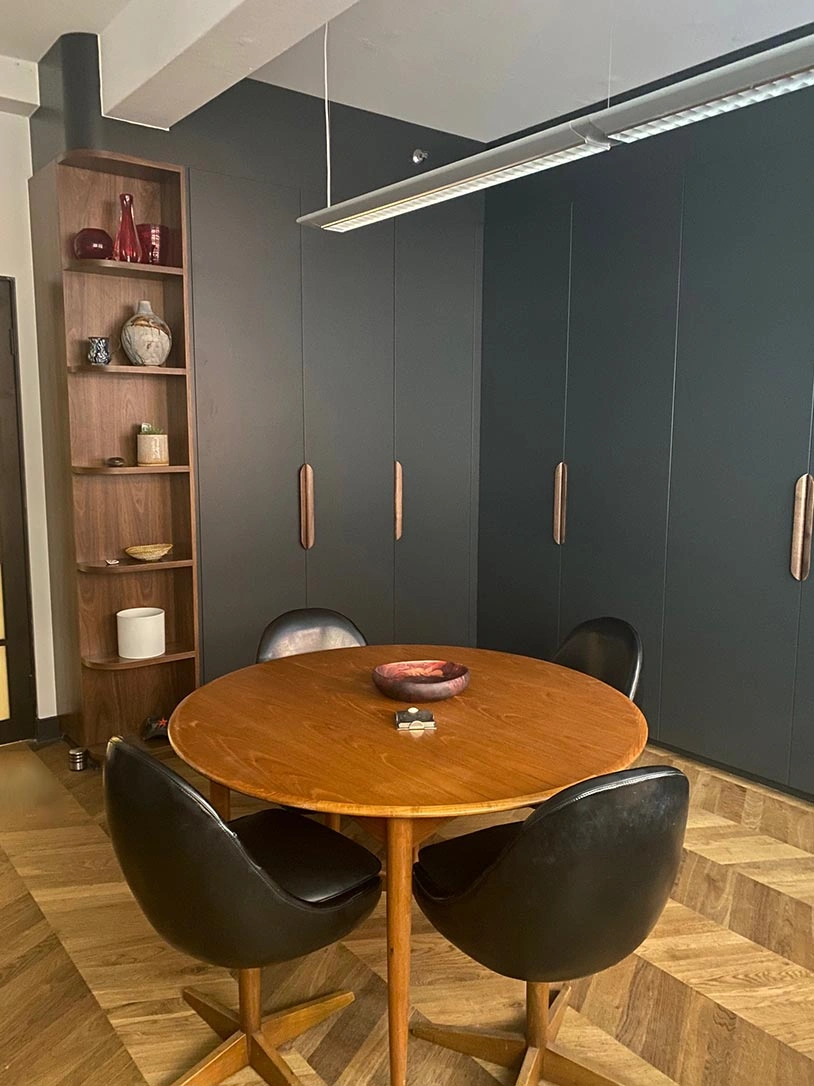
x=127, y=246
x=154, y=239
x=93, y=244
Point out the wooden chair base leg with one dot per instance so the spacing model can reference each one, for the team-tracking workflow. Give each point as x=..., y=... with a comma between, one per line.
x=563, y=1071
x=227, y=1059
x=257, y=1050
x=495, y=1046
x=530, y=1052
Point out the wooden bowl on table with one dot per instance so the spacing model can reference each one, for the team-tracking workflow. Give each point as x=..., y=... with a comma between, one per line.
x=421, y=680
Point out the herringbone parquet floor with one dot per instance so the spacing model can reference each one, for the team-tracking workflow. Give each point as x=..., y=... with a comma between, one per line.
x=721, y=994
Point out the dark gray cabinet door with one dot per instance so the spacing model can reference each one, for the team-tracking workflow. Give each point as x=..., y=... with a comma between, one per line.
x=741, y=439
x=624, y=286
x=801, y=764
x=248, y=382
x=525, y=335
x=438, y=258
x=348, y=371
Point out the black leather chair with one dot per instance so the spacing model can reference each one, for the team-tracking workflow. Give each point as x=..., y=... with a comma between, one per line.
x=265, y=888
x=607, y=648
x=569, y=892
x=308, y=629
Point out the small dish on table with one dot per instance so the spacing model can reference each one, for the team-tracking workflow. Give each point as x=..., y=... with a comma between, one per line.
x=421, y=680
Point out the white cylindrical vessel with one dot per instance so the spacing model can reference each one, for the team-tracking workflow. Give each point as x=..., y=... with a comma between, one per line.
x=141, y=632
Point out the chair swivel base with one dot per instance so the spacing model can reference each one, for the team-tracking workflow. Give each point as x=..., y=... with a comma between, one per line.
x=250, y=1040
x=531, y=1053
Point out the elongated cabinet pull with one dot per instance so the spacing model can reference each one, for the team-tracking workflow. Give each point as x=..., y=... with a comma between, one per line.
x=560, y=501
x=801, y=528
x=307, y=506
x=398, y=499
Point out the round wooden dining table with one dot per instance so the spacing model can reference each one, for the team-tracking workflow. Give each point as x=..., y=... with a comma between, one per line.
x=313, y=732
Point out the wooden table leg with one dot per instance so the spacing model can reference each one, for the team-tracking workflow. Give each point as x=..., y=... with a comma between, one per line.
x=221, y=799
x=399, y=903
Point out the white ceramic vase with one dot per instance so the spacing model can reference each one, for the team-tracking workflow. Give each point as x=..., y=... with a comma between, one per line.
x=146, y=339
x=140, y=632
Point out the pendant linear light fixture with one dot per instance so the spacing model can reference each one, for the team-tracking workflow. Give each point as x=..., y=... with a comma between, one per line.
x=766, y=75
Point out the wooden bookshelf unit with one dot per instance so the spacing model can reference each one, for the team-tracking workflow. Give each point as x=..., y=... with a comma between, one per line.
x=91, y=413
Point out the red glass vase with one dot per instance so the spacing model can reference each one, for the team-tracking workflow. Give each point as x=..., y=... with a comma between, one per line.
x=154, y=238
x=127, y=246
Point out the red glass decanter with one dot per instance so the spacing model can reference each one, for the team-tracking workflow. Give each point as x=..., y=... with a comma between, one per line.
x=127, y=246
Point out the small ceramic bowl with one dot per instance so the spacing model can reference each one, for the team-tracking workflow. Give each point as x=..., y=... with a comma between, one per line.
x=421, y=680
x=150, y=552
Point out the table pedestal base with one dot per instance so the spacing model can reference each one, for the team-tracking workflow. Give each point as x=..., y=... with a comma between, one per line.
x=249, y=1040
x=529, y=1053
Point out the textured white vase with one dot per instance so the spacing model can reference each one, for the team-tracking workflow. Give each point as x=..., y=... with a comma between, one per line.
x=152, y=450
x=146, y=339
x=140, y=632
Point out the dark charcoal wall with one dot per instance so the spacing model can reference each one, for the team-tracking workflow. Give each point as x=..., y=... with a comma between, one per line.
x=646, y=318
x=325, y=347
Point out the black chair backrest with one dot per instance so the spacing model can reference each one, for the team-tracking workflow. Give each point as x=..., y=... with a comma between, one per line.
x=583, y=882
x=606, y=648
x=308, y=629
x=190, y=874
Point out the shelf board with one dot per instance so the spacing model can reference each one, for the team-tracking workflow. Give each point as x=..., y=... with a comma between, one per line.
x=173, y=654
x=123, y=269
x=137, y=371
x=81, y=469
x=128, y=565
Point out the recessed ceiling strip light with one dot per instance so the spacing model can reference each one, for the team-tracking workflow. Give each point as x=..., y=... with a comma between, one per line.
x=766, y=75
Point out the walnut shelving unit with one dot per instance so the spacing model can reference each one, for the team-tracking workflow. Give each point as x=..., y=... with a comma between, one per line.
x=91, y=413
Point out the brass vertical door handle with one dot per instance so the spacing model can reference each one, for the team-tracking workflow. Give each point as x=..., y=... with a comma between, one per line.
x=801, y=528
x=560, y=501
x=398, y=499
x=307, y=506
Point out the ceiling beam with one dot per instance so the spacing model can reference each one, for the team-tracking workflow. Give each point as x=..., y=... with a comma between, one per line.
x=161, y=61
x=19, y=88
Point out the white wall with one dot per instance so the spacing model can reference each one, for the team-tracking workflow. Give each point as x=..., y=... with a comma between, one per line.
x=15, y=261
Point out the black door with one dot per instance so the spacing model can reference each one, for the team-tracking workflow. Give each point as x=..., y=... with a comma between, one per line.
x=438, y=258
x=17, y=708
x=624, y=286
x=348, y=382
x=525, y=341
x=741, y=439
x=248, y=359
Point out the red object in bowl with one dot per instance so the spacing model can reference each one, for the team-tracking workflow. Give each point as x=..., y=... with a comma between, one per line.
x=93, y=244
x=154, y=239
x=421, y=680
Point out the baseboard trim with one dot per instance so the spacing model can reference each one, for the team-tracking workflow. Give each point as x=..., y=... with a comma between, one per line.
x=767, y=782
x=47, y=729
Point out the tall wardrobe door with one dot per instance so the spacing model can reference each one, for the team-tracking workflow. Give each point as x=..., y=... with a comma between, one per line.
x=741, y=439
x=248, y=381
x=525, y=336
x=624, y=286
x=348, y=369
x=438, y=259
x=801, y=765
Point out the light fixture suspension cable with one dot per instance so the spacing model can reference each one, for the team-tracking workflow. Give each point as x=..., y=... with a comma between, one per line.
x=327, y=116
x=610, y=49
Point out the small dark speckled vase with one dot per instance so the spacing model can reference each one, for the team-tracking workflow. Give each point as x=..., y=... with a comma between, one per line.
x=99, y=350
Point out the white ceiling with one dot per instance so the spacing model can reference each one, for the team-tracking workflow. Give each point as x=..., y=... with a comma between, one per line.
x=28, y=28
x=483, y=69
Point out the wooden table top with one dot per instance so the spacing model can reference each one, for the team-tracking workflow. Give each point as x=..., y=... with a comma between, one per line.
x=312, y=731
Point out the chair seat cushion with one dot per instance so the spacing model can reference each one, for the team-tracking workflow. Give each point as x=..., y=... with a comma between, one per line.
x=308, y=860
x=450, y=867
